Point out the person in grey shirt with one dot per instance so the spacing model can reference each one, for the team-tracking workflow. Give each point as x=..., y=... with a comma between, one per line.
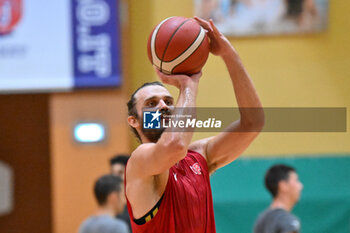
x=109, y=193
x=118, y=164
x=283, y=183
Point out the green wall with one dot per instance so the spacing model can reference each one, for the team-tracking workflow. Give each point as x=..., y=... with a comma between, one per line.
x=239, y=194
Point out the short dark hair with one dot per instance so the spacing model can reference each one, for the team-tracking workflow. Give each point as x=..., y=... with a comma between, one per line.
x=105, y=185
x=132, y=102
x=276, y=174
x=119, y=159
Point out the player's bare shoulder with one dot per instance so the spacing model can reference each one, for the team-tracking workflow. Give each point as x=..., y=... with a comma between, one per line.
x=135, y=179
x=138, y=160
x=140, y=164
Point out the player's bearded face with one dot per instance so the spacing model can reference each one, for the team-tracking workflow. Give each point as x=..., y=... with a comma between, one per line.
x=153, y=135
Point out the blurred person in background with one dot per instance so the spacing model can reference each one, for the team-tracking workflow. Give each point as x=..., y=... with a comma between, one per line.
x=283, y=183
x=109, y=194
x=207, y=8
x=302, y=12
x=118, y=164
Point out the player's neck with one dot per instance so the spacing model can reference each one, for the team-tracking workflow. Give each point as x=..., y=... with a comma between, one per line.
x=105, y=210
x=282, y=203
x=144, y=139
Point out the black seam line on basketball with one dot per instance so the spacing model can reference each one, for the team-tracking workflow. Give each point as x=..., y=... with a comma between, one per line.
x=166, y=47
x=189, y=47
x=155, y=48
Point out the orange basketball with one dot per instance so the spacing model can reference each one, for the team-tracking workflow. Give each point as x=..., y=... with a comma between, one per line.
x=178, y=45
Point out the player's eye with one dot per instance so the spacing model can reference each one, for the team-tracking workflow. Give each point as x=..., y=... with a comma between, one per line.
x=151, y=104
x=169, y=102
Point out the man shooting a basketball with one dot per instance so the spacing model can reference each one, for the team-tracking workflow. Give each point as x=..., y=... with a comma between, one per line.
x=167, y=176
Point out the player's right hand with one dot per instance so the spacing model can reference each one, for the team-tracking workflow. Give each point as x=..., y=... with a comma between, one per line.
x=179, y=80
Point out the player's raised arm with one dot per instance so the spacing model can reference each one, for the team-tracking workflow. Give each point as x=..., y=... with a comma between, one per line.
x=227, y=146
x=161, y=150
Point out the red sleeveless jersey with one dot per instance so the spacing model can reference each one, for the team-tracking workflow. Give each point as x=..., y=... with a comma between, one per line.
x=187, y=205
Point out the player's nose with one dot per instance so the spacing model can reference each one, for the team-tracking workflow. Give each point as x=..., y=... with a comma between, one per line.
x=163, y=105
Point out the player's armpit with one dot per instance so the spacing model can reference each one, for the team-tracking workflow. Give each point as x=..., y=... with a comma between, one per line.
x=227, y=146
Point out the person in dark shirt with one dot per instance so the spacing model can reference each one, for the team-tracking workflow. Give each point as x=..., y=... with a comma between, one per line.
x=283, y=183
x=118, y=163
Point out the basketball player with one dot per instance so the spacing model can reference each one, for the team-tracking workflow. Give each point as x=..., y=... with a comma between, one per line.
x=167, y=176
x=283, y=184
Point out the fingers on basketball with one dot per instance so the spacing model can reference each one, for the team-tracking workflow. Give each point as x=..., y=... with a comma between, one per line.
x=215, y=29
x=197, y=75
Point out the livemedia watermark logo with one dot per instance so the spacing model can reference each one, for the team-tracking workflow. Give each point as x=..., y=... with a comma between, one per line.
x=327, y=119
x=151, y=120
x=155, y=120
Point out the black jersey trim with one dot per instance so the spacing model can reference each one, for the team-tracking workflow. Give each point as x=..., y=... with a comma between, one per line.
x=150, y=214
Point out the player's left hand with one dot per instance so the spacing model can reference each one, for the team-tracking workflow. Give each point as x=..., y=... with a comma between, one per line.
x=219, y=44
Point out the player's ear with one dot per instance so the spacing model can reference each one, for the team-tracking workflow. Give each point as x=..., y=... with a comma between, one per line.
x=112, y=197
x=282, y=186
x=133, y=122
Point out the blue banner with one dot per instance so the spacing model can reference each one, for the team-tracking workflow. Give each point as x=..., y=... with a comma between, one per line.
x=96, y=43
